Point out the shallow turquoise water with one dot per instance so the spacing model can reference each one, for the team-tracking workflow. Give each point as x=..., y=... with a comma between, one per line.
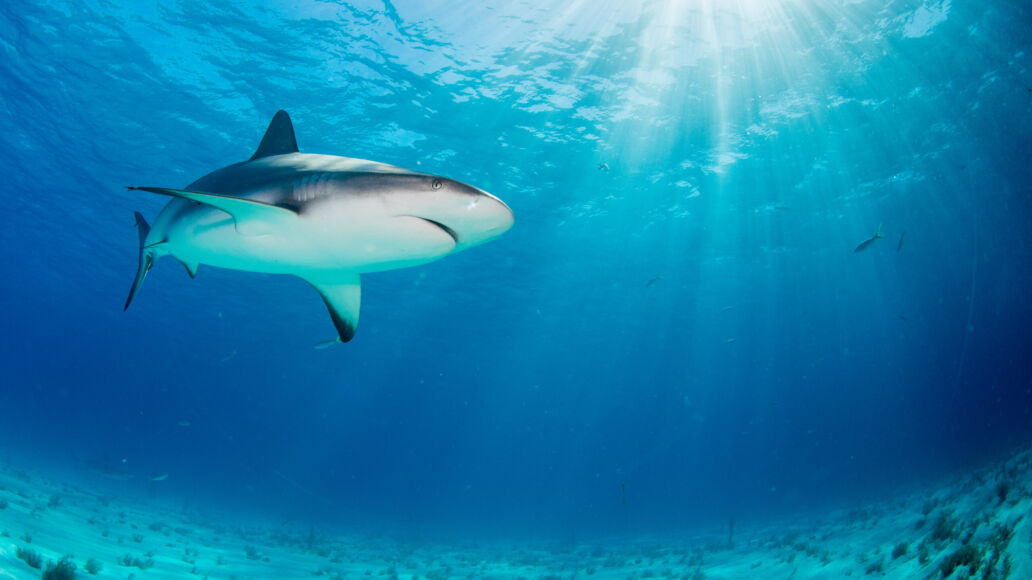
x=676, y=331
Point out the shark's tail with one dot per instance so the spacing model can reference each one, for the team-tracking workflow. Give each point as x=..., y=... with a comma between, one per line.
x=146, y=260
x=877, y=234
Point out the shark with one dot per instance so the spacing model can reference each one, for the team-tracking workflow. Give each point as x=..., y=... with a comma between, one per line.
x=323, y=218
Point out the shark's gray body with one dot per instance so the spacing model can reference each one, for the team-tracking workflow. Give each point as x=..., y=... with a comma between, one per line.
x=323, y=218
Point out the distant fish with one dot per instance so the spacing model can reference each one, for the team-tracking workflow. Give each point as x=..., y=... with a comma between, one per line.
x=183, y=423
x=327, y=344
x=726, y=308
x=657, y=278
x=867, y=243
x=899, y=246
x=901, y=317
x=229, y=356
x=729, y=340
x=159, y=477
x=603, y=167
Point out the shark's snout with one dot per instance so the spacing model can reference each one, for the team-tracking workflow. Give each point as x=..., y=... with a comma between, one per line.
x=473, y=215
x=493, y=217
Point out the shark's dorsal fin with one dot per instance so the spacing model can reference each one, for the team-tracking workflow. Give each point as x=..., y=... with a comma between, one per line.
x=279, y=137
x=343, y=298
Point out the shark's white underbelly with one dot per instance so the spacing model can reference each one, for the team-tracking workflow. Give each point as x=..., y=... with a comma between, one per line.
x=308, y=246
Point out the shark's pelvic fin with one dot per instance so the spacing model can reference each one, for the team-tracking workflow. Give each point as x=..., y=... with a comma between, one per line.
x=279, y=137
x=343, y=298
x=251, y=216
x=145, y=262
x=191, y=267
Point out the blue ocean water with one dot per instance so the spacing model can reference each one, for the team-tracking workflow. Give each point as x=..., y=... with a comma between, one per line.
x=676, y=332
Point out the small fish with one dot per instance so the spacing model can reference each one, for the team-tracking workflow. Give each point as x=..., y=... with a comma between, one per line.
x=657, y=278
x=327, y=344
x=899, y=246
x=867, y=243
x=729, y=340
x=901, y=317
x=229, y=356
x=603, y=167
x=183, y=423
x=727, y=308
x=159, y=477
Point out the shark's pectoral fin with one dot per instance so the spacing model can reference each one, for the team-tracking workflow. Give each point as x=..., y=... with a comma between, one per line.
x=252, y=217
x=343, y=298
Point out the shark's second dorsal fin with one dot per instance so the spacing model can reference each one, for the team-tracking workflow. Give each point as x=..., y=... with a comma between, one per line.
x=279, y=137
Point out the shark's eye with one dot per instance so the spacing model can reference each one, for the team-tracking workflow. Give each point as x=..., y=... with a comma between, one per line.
x=436, y=184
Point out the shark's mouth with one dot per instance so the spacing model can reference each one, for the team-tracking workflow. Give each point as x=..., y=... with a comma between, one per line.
x=446, y=229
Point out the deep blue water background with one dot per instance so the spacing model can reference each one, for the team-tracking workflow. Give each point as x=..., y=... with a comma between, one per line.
x=682, y=338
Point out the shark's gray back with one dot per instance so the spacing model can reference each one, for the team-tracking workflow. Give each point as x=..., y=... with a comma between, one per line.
x=292, y=180
x=281, y=170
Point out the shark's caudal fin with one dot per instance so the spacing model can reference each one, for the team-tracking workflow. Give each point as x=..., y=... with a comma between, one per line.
x=343, y=298
x=279, y=138
x=146, y=260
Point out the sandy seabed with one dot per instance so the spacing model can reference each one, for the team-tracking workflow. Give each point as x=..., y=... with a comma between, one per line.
x=975, y=525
